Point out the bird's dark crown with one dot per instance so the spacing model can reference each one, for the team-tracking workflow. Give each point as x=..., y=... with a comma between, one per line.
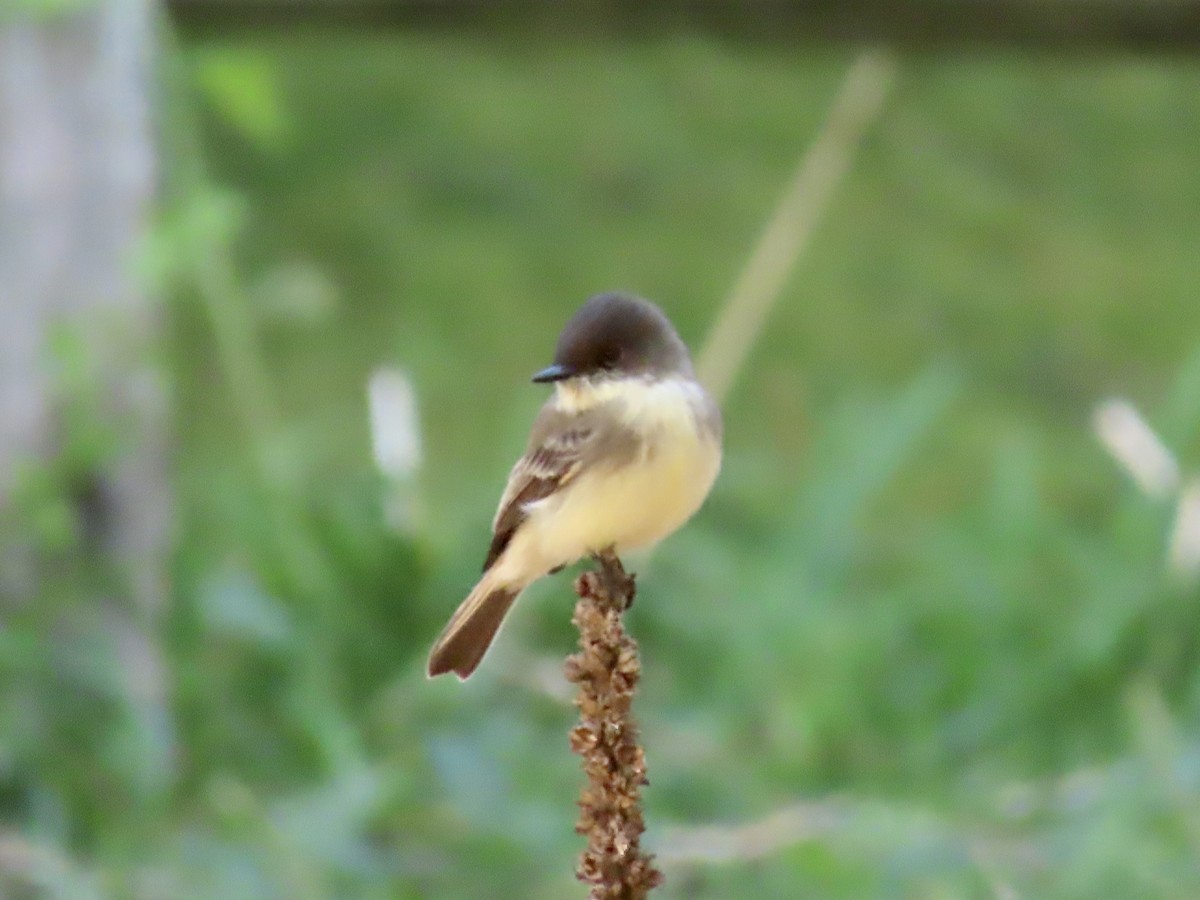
x=619, y=335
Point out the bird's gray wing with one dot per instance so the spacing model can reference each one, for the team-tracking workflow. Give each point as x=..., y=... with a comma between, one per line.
x=558, y=446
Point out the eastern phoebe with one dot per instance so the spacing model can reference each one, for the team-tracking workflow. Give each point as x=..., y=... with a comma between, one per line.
x=620, y=456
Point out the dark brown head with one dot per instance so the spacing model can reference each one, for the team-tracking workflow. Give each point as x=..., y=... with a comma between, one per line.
x=615, y=336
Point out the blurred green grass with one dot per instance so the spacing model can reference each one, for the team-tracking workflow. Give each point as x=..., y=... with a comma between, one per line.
x=920, y=592
x=919, y=579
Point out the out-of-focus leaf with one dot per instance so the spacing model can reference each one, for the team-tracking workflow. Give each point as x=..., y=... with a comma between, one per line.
x=472, y=780
x=854, y=458
x=330, y=822
x=232, y=603
x=296, y=293
x=243, y=88
x=1180, y=416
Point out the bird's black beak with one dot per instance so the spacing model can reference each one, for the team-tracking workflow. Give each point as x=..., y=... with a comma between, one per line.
x=556, y=372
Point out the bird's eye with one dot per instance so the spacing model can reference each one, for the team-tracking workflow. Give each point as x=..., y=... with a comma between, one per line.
x=609, y=358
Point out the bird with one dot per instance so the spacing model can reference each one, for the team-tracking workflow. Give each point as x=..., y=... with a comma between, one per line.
x=622, y=454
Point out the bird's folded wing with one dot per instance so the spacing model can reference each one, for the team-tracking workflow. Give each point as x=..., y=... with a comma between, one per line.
x=557, y=448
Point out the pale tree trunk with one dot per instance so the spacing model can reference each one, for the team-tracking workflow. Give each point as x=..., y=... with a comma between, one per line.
x=77, y=179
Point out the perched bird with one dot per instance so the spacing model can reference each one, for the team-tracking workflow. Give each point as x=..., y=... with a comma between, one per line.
x=621, y=455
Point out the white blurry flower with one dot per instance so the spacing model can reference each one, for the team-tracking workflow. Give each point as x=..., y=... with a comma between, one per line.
x=1139, y=450
x=1135, y=447
x=396, y=443
x=395, y=428
x=1183, y=556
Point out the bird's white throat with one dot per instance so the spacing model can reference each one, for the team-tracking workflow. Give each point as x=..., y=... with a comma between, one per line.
x=642, y=404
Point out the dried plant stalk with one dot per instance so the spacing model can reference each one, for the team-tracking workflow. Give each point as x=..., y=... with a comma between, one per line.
x=607, y=669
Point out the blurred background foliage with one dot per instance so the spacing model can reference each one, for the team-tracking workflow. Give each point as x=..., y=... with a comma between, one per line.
x=923, y=641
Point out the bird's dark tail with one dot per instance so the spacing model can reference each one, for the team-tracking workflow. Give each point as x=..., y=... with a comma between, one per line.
x=465, y=639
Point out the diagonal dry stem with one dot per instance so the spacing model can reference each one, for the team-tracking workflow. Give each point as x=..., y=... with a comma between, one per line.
x=786, y=235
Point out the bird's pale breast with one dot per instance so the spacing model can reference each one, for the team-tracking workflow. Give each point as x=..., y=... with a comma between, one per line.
x=641, y=502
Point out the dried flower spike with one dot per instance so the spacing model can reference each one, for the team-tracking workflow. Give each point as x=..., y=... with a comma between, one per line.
x=607, y=669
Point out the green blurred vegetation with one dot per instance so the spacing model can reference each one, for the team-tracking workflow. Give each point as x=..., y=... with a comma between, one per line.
x=921, y=600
